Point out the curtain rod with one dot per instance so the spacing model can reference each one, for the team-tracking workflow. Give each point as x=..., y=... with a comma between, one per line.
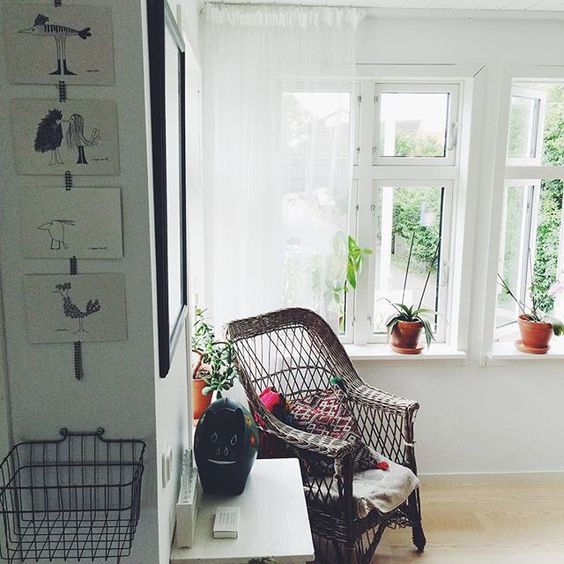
x=277, y=4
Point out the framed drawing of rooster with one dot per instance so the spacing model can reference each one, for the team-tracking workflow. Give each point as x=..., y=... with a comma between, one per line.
x=63, y=308
x=167, y=76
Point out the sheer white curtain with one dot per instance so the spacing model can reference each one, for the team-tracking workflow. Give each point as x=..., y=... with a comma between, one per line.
x=278, y=97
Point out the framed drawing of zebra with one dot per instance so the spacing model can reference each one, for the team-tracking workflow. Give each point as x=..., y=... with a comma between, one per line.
x=64, y=308
x=51, y=137
x=45, y=44
x=167, y=76
x=81, y=223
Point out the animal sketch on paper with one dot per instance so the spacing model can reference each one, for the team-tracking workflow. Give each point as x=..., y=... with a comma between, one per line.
x=60, y=33
x=57, y=231
x=76, y=139
x=49, y=136
x=74, y=312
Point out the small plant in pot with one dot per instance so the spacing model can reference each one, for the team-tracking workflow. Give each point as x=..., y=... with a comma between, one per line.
x=214, y=370
x=536, y=327
x=405, y=325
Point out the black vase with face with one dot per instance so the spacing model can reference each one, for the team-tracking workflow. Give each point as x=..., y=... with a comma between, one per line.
x=225, y=447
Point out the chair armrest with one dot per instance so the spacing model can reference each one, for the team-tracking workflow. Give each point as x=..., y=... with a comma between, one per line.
x=386, y=422
x=317, y=444
x=381, y=400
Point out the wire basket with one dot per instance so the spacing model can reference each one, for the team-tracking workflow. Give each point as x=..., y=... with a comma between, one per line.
x=76, y=498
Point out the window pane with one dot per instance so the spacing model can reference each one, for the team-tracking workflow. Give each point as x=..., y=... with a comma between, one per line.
x=553, y=140
x=316, y=137
x=400, y=214
x=316, y=124
x=533, y=226
x=537, y=107
x=515, y=243
x=413, y=124
x=523, y=127
x=315, y=251
x=547, y=265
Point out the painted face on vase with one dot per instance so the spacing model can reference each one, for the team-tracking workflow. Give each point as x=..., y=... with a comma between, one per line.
x=224, y=437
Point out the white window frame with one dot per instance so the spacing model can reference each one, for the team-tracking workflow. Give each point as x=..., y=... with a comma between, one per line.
x=508, y=171
x=445, y=253
x=451, y=124
x=530, y=214
x=407, y=171
x=536, y=136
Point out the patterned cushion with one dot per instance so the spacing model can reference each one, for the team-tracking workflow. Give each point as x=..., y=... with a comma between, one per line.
x=325, y=413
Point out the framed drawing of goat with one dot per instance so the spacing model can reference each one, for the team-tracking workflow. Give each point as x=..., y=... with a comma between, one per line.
x=167, y=75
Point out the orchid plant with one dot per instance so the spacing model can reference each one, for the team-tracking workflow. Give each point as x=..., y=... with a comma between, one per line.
x=537, y=294
x=413, y=313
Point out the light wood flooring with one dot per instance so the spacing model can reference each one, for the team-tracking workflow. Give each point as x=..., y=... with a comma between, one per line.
x=494, y=519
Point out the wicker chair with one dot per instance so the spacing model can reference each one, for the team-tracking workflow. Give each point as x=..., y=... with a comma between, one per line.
x=295, y=351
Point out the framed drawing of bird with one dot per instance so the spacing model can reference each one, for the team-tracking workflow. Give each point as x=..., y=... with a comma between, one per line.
x=63, y=308
x=60, y=33
x=73, y=42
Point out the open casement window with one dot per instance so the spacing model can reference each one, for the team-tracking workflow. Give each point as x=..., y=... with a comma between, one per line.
x=415, y=124
x=526, y=126
x=318, y=196
x=532, y=248
x=401, y=212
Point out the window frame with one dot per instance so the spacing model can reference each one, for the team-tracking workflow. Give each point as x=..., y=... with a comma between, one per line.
x=537, y=137
x=529, y=218
x=452, y=122
x=409, y=171
x=504, y=170
x=445, y=256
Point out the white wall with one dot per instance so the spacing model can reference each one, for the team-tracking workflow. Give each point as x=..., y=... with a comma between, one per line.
x=121, y=389
x=5, y=423
x=475, y=418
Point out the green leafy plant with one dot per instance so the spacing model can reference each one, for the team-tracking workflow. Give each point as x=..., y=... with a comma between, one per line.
x=413, y=313
x=538, y=294
x=215, y=364
x=355, y=260
x=356, y=256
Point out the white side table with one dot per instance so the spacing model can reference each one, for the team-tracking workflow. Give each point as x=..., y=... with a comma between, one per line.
x=273, y=523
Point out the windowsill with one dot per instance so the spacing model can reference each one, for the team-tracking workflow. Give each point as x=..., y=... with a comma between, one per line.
x=437, y=351
x=507, y=351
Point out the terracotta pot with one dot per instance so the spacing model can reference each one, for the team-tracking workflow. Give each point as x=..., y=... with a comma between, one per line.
x=535, y=335
x=199, y=402
x=405, y=337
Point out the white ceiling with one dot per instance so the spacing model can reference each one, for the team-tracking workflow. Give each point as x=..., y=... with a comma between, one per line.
x=493, y=5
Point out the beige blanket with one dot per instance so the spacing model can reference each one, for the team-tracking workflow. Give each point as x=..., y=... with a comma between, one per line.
x=383, y=490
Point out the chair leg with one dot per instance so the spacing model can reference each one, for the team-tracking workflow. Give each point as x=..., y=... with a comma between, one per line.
x=368, y=555
x=339, y=553
x=419, y=539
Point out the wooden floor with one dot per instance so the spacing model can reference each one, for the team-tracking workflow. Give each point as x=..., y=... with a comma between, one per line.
x=509, y=519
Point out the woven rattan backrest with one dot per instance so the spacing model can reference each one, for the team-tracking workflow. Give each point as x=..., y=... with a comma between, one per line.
x=293, y=350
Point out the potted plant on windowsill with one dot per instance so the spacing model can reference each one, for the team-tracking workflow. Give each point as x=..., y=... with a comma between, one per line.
x=405, y=326
x=214, y=371
x=536, y=328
